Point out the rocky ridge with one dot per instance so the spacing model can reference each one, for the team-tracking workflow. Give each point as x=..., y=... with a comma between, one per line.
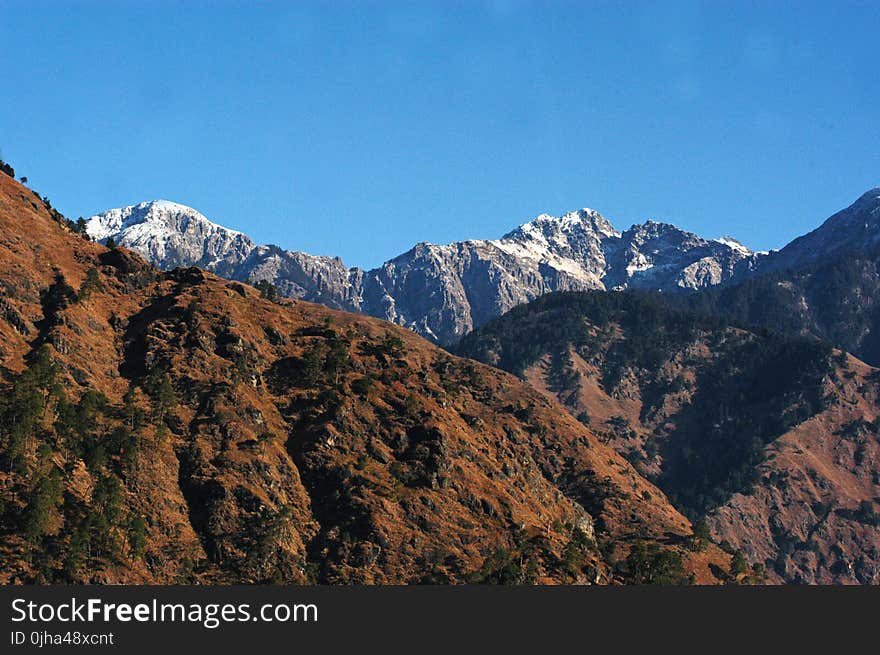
x=441, y=291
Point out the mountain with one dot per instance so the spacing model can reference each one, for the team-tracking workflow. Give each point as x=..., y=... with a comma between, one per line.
x=855, y=228
x=825, y=284
x=441, y=291
x=173, y=235
x=166, y=427
x=773, y=441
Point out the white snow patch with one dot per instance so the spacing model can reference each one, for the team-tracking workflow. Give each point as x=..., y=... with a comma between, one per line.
x=732, y=243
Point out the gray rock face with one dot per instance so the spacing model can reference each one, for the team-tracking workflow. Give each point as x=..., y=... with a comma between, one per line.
x=441, y=291
x=324, y=280
x=171, y=235
x=660, y=256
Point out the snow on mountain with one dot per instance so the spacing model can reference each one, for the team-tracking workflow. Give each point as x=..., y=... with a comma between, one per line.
x=170, y=235
x=733, y=243
x=441, y=291
x=662, y=257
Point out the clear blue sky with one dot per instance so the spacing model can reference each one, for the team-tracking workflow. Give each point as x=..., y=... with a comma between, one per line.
x=359, y=129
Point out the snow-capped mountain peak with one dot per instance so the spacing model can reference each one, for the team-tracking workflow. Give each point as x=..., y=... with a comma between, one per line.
x=170, y=234
x=544, y=227
x=154, y=213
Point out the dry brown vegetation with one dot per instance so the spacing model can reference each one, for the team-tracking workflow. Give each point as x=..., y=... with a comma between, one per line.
x=179, y=427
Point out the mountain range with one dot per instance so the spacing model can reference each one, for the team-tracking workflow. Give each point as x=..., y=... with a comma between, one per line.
x=822, y=284
x=616, y=412
x=441, y=291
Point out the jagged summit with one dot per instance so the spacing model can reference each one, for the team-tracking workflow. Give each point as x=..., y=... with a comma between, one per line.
x=164, y=212
x=545, y=225
x=736, y=244
x=440, y=291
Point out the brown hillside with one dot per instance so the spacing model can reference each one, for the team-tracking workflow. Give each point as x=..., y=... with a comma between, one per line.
x=802, y=520
x=775, y=442
x=191, y=430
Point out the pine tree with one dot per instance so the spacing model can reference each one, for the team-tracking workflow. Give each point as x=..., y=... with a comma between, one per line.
x=313, y=365
x=23, y=408
x=45, y=498
x=137, y=536
x=91, y=284
x=338, y=360
x=162, y=394
x=701, y=536
x=77, y=553
x=738, y=565
x=134, y=415
x=267, y=290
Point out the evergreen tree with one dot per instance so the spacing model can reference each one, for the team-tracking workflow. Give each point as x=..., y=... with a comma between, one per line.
x=650, y=564
x=701, y=536
x=738, y=565
x=45, y=499
x=137, y=536
x=77, y=553
x=107, y=497
x=313, y=365
x=162, y=394
x=338, y=360
x=134, y=415
x=267, y=290
x=91, y=283
x=23, y=408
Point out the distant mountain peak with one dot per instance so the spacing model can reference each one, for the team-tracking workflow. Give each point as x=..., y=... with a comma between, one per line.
x=736, y=244
x=545, y=225
x=870, y=194
x=151, y=211
x=170, y=234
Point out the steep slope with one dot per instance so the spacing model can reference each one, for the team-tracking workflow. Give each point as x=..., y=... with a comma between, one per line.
x=773, y=440
x=175, y=427
x=824, y=284
x=441, y=291
x=853, y=228
x=834, y=299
